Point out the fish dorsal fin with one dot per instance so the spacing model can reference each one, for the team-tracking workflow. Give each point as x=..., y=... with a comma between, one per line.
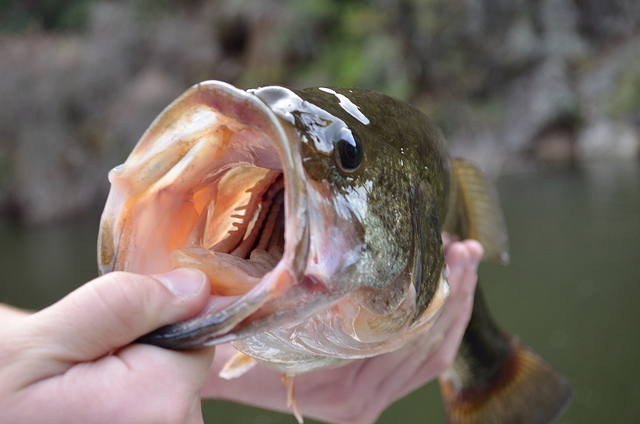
x=475, y=211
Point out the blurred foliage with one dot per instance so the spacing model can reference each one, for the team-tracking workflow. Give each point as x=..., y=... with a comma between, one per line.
x=359, y=48
x=398, y=47
x=401, y=47
x=88, y=76
x=17, y=16
x=625, y=98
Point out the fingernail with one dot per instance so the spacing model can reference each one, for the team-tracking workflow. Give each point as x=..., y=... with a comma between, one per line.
x=184, y=282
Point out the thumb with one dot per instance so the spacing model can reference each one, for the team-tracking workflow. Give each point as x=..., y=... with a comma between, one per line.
x=114, y=310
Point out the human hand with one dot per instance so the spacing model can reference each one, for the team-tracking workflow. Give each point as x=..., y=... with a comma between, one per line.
x=74, y=362
x=359, y=391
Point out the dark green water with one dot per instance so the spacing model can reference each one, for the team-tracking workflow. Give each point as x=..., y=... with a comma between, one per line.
x=572, y=290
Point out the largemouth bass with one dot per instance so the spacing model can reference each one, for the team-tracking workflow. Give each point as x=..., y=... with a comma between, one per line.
x=317, y=215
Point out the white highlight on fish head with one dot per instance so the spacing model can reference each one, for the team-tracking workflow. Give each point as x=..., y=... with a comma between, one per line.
x=348, y=106
x=290, y=107
x=354, y=203
x=280, y=100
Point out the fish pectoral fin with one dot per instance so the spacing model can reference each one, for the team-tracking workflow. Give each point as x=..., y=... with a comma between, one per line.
x=228, y=274
x=475, y=211
x=497, y=379
x=236, y=366
x=292, y=402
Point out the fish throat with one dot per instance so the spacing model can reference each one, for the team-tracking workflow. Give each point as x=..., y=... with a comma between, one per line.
x=260, y=221
x=239, y=236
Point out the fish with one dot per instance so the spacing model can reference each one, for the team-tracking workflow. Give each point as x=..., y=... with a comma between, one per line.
x=317, y=215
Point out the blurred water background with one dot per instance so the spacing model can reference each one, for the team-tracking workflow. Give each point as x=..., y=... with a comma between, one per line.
x=545, y=95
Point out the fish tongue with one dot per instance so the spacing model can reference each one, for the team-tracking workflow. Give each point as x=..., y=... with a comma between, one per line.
x=229, y=275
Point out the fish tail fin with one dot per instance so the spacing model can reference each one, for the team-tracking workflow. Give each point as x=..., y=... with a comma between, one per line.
x=476, y=211
x=497, y=379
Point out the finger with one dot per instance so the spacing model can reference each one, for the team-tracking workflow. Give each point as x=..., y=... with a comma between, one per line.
x=443, y=358
x=191, y=365
x=462, y=257
x=410, y=371
x=455, y=317
x=430, y=354
x=476, y=251
x=115, y=309
x=141, y=384
x=448, y=239
x=9, y=313
x=462, y=264
x=153, y=367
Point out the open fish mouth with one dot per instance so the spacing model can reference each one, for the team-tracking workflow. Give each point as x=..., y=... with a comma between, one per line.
x=214, y=184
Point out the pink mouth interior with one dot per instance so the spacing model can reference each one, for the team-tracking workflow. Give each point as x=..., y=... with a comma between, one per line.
x=207, y=187
x=240, y=231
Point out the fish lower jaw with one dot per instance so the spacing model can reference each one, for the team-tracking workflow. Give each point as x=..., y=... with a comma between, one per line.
x=214, y=184
x=342, y=332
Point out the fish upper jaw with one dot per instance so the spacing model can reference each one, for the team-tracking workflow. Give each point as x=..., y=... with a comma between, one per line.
x=201, y=182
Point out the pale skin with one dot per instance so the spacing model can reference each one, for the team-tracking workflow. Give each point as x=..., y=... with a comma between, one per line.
x=75, y=362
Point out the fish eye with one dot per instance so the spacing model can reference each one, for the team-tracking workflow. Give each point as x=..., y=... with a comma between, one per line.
x=348, y=151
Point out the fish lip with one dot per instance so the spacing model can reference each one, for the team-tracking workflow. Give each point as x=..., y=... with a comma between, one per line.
x=249, y=109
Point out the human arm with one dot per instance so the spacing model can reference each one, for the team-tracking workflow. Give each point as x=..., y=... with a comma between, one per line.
x=74, y=361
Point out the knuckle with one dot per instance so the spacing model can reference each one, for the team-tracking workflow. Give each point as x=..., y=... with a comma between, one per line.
x=126, y=299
